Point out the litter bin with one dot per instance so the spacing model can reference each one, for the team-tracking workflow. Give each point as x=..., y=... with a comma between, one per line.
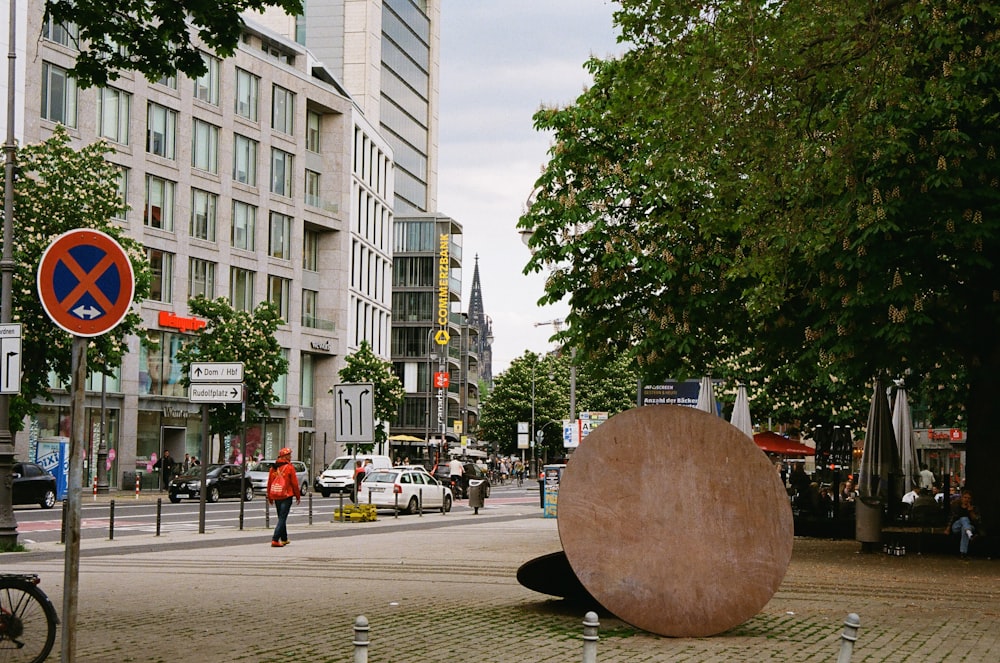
x=476, y=494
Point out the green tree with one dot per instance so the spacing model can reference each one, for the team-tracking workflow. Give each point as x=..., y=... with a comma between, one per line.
x=364, y=366
x=243, y=336
x=599, y=388
x=797, y=196
x=153, y=37
x=59, y=189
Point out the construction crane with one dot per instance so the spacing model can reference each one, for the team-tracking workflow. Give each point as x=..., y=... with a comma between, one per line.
x=556, y=324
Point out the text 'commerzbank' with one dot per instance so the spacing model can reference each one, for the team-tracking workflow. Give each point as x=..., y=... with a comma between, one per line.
x=441, y=337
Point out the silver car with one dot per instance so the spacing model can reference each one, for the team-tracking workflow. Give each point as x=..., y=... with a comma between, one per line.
x=258, y=475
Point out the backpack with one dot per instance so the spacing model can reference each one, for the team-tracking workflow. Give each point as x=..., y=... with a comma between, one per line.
x=278, y=485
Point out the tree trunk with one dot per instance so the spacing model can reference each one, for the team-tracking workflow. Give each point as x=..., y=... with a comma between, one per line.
x=982, y=450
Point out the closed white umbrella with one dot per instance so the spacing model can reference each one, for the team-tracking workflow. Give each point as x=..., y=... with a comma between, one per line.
x=706, y=397
x=741, y=412
x=902, y=426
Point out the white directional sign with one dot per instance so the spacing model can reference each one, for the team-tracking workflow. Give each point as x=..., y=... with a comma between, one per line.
x=10, y=359
x=222, y=392
x=216, y=371
x=354, y=409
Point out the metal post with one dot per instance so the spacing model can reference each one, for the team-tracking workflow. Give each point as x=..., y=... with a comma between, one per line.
x=590, y=625
x=111, y=522
x=102, y=443
x=849, y=637
x=159, y=514
x=531, y=440
x=71, y=563
x=361, y=639
x=309, y=499
x=8, y=523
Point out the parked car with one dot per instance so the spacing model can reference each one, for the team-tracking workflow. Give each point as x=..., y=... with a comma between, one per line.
x=33, y=485
x=220, y=481
x=258, y=475
x=405, y=490
x=472, y=471
x=338, y=477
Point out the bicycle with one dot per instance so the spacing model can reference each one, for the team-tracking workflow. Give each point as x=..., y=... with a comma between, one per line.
x=27, y=619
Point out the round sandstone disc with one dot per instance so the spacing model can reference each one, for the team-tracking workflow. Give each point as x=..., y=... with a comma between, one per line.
x=675, y=521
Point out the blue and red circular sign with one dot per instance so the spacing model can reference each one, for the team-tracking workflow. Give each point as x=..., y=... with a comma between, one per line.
x=86, y=282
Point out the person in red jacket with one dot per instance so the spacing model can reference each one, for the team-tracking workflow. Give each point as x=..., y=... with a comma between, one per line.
x=282, y=486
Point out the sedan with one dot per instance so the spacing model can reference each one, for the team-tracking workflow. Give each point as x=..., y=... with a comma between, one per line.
x=405, y=490
x=471, y=471
x=259, y=472
x=33, y=485
x=220, y=481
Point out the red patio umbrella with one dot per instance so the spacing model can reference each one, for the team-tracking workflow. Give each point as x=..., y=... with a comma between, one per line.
x=773, y=443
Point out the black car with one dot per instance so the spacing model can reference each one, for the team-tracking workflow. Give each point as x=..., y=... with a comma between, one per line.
x=220, y=481
x=33, y=485
x=472, y=471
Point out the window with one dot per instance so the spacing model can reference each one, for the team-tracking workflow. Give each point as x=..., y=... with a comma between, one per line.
x=159, y=211
x=114, y=110
x=281, y=172
x=244, y=221
x=245, y=160
x=282, y=110
x=201, y=278
x=169, y=81
x=203, y=214
x=246, y=94
x=161, y=127
x=206, y=86
x=310, y=250
x=58, y=95
x=310, y=303
x=64, y=35
x=123, y=179
x=159, y=370
x=280, y=237
x=278, y=290
x=161, y=264
x=241, y=289
x=312, y=189
x=205, y=147
x=312, y=130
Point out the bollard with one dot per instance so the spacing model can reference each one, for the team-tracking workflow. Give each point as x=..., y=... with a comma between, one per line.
x=420, y=502
x=137, y=485
x=62, y=530
x=590, y=625
x=267, y=514
x=395, y=513
x=361, y=639
x=309, y=499
x=849, y=637
x=111, y=522
x=341, y=506
x=159, y=514
x=95, y=489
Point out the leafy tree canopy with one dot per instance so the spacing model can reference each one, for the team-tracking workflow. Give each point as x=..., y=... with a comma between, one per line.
x=797, y=195
x=153, y=37
x=58, y=189
x=244, y=336
x=599, y=388
x=364, y=366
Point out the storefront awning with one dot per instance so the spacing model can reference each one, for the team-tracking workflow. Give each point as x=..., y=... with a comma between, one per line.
x=773, y=443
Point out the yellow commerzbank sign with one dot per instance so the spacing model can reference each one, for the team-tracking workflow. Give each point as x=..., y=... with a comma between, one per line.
x=441, y=336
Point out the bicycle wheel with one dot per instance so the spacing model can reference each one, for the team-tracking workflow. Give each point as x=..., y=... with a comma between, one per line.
x=27, y=622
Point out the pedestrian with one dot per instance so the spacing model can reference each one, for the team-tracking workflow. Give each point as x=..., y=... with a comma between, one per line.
x=165, y=464
x=964, y=519
x=282, y=486
x=359, y=476
x=186, y=465
x=926, y=477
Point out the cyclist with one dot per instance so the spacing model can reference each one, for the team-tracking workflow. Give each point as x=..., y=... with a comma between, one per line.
x=519, y=471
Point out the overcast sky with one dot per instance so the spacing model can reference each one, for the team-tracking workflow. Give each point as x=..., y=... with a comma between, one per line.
x=501, y=61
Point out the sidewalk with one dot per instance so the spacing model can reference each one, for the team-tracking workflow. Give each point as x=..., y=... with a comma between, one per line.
x=443, y=588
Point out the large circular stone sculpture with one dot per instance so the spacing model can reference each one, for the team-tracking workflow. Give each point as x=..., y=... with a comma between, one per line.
x=675, y=521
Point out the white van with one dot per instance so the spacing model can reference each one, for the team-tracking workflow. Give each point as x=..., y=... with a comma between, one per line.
x=338, y=477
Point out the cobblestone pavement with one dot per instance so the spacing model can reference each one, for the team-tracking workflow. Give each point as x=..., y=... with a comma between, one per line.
x=443, y=588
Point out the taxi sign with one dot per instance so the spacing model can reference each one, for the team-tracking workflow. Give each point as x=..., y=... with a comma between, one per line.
x=85, y=282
